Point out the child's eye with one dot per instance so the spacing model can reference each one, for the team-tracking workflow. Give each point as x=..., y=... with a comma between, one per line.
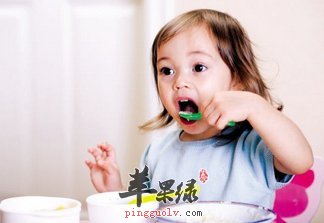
x=199, y=68
x=166, y=71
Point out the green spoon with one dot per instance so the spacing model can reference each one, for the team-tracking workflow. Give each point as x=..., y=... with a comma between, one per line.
x=190, y=116
x=197, y=116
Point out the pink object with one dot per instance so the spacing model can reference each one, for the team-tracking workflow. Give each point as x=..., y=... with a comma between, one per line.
x=203, y=176
x=299, y=201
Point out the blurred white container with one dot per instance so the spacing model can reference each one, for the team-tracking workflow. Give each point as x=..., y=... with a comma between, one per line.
x=40, y=209
x=108, y=207
x=217, y=211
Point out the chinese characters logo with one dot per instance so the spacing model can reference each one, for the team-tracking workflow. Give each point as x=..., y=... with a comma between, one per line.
x=140, y=185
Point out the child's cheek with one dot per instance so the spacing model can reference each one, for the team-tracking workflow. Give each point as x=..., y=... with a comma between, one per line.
x=167, y=102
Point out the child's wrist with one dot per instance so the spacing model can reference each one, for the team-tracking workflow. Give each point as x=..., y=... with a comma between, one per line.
x=258, y=106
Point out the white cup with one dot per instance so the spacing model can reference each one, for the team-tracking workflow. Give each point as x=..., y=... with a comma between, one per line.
x=108, y=207
x=40, y=209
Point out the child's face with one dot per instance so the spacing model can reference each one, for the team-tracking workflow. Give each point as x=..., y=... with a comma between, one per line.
x=190, y=68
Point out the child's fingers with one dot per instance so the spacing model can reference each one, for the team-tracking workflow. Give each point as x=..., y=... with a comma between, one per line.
x=222, y=122
x=107, y=149
x=217, y=119
x=212, y=114
x=103, y=148
x=212, y=117
x=210, y=107
x=110, y=151
x=103, y=164
x=96, y=153
x=89, y=164
x=102, y=153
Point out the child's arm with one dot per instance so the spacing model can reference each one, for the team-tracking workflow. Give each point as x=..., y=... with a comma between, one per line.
x=287, y=143
x=292, y=152
x=104, y=172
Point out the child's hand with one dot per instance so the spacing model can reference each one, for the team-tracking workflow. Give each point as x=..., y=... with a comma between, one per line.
x=227, y=106
x=293, y=156
x=104, y=172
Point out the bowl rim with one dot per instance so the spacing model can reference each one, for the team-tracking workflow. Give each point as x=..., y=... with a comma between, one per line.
x=54, y=213
x=272, y=215
x=90, y=200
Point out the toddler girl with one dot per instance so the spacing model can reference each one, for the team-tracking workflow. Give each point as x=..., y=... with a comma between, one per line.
x=203, y=63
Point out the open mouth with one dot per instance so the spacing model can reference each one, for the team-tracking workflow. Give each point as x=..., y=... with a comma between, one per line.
x=188, y=106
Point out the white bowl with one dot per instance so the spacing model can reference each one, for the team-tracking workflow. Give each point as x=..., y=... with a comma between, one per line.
x=108, y=207
x=220, y=212
x=39, y=209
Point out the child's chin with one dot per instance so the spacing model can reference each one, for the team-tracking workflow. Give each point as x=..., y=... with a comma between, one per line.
x=197, y=133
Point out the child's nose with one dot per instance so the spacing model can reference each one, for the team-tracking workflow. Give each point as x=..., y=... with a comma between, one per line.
x=181, y=81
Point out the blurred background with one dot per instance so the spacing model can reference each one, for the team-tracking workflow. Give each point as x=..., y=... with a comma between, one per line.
x=75, y=73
